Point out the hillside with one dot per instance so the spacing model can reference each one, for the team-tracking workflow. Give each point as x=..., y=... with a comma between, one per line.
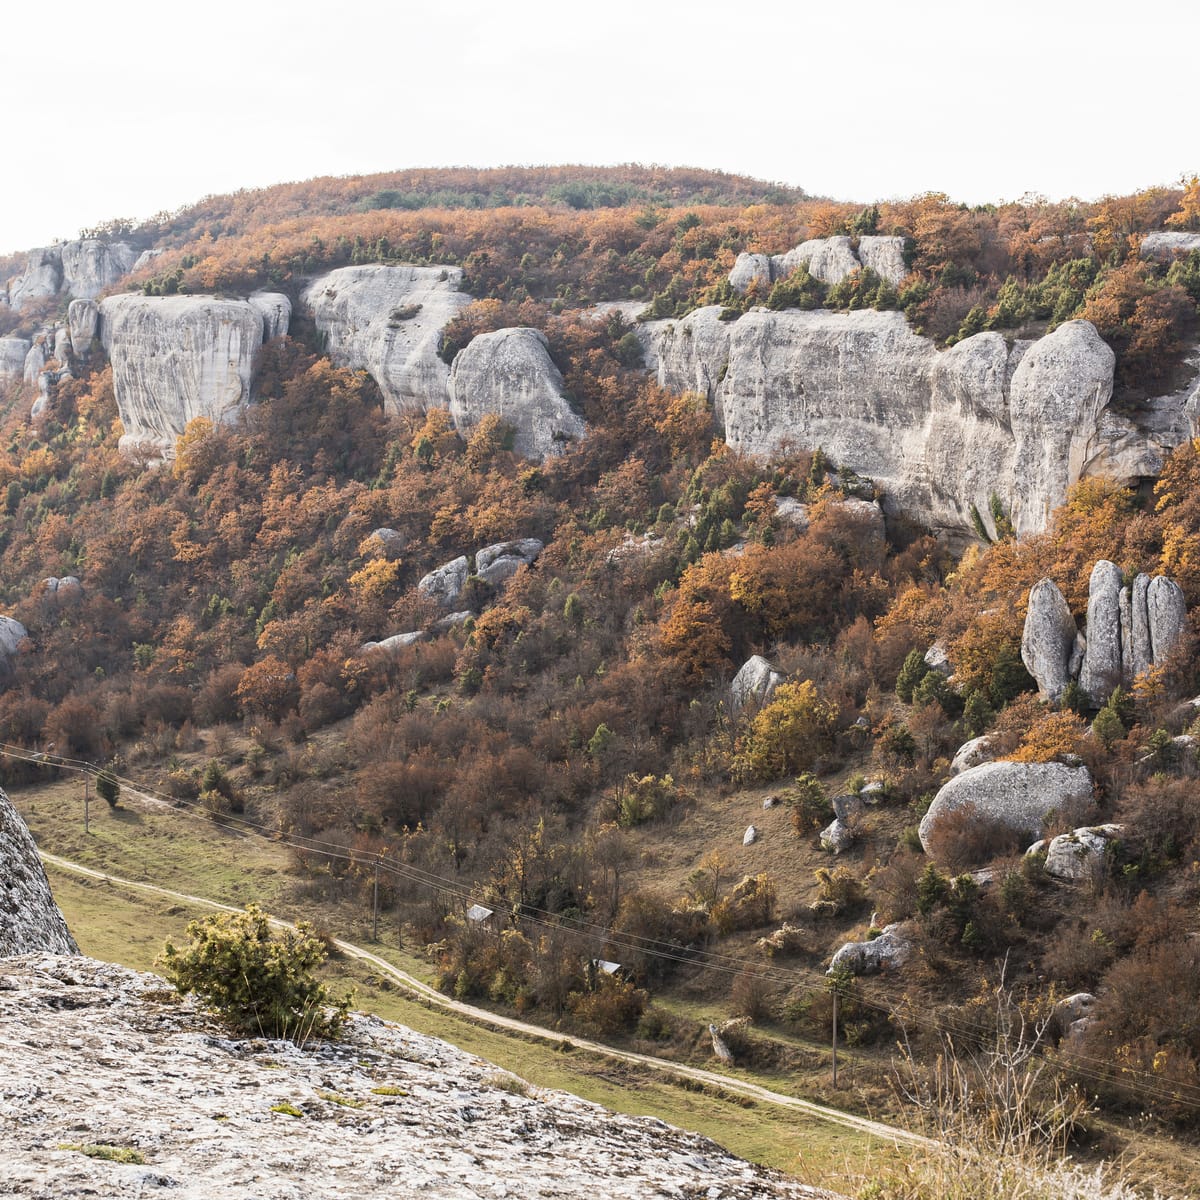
x=425, y=521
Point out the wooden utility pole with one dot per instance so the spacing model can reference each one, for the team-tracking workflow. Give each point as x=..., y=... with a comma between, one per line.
x=86, y=800
x=375, y=905
x=835, y=1019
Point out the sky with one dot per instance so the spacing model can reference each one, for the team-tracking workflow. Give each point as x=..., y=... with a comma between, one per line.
x=130, y=107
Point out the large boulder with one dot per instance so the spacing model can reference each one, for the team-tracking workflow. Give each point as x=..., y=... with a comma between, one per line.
x=1103, y=666
x=13, y=353
x=90, y=266
x=83, y=321
x=971, y=754
x=887, y=952
x=885, y=256
x=751, y=270
x=524, y=550
x=29, y=919
x=388, y=320
x=828, y=259
x=1079, y=856
x=755, y=682
x=1167, y=616
x=1019, y=796
x=12, y=634
x=41, y=278
x=510, y=373
x=1049, y=639
x=175, y=358
x=444, y=584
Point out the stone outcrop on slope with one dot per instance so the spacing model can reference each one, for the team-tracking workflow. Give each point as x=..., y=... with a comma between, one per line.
x=1048, y=643
x=175, y=358
x=29, y=919
x=83, y=323
x=887, y=952
x=939, y=431
x=754, y=683
x=510, y=373
x=388, y=320
x=93, y=1055
x=828, y=259
x=13, y=353
x=1168, y=243
x=1019, y=796
x=82, y=268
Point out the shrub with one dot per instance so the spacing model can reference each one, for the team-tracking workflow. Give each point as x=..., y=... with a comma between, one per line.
x=611, y=1008
x=787, y=735
x=256, y=981
x=810, y=806
x=108, y=789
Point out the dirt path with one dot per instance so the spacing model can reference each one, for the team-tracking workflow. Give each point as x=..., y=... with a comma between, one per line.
x=424, y=992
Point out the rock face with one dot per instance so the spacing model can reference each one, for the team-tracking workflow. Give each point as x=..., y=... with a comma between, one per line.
x=887, y=952
x=12, y=634
x=1168, y=243
x=444, y=584
x=83, y=320
x=497, y=564
x=939, y=431
x=388, y=320
x=828, y=259
x=1017, y=795
x=91, y=1056
x=13, y=352
x=755, y=682
x=175, y=358
x=81, y=268
x=1049, y=639
x=510, y=373
x=29, y=919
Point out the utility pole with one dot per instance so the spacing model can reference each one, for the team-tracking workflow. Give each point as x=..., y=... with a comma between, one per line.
x=375, y=905
x=835, y=1019
x=86, y=799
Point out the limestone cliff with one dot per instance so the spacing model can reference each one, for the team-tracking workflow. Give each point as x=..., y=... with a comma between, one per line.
x=175, y=358
x=510, y=373
x=29, y=918
x=939, y=431
x=82, y=269
x=828, y=259
x=388, y=320
x=98, y=1055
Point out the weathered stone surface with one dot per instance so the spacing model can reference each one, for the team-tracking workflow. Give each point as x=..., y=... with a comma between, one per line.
x=90, y=266
x=887, y=952
x=35, y=361
x=41, y=278
x=1017, y=795
x=510, y=373
x=396, y=642
x=13, y=353
x=751, y=270
x=750, y=836
x=388, y=320
x=500, y=570
x=838, y=836
x=29, y=919
x=1079, y=855
x=1102, y=668
x=828, y=259
x=937, y=659
x=445, y=583
x=1167, y=611
x=971, y=754
x=1049, y=639
x=64, y=589
x=90, y=1054
x=755, y=682
x=1139, y=639
x=450, y=620
x=1168, y=243
x=885, y=256
x=525, y=549
x=83, y=321
x=691, y=354
x=792, y=512
x=175, y=358
x=12, y=634
x=276, y=312
x=389, y=542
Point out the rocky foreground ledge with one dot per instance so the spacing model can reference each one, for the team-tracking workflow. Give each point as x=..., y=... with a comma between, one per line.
x=94, y=1055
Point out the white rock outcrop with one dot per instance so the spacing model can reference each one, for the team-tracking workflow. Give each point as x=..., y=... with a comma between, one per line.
x=30, y=921
x=444, y=584
x=829, y=259
x=175, y=358
x=12, y=634
x=887, y=952
x=510, y=373
x=1019, y=796
x=1078, y=856
x=754, y=683
x=525, y=550
x=13, y=353
x=83, y=322
x=939, y=431
x=1048, y=640
x=838, y=836
x=82, y=268
x=398, y=641
x=92, y=1054
x=1167, y=243
x=971, y=754
x=388, y=320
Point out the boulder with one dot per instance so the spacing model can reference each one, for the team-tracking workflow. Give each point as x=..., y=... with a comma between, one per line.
x=971, y=754
x=450, y=620
x=396, y=642
x=1168, y=243
x=388, y=320
x=828, y=259
x=937, y=659
x=1049, y=639
x=1102, y=668
x=175, y=358
x=12, y=634
x=1019, y=796
x=30, y=921
x=65, y=589
x=13, y=353
x=837, y=836
x=35, y=362
x=510, y=373
x=754, y=683
x=751, y=270
x=41, y=278
x=1140, y=645
x=500, y=570
x=1079, y=855
x=83, y=321
x=887, y=952
x=792, y=512
x=524, y=550
x=388, y=542
x=750, y=836
x=1167, y=616
x=885, y=256
x=444, y=584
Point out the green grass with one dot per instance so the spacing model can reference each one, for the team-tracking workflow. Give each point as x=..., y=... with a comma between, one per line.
x=119, y=1154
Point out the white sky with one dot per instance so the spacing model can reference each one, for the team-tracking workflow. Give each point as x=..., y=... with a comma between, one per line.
x=128, y=107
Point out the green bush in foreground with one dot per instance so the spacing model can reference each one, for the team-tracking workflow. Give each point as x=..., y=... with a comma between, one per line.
x=261, y=983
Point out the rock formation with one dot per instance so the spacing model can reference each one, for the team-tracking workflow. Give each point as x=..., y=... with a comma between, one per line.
x=510, y=373
x=92, y=1054
x=388, y=320
x=971, y=754
x=754, y=683
x=498, y=563
x=175, y=358
x=83, y=321
x=444, y=584
x=1078, y=856
x=29, y=919
x=1017, y=795
x=82, y=268
x=887, y=952
x=13, y=353
x=12, y=634
x=828, y=259
x=1049, y=639
x=1168, y=243
x=939, y=431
